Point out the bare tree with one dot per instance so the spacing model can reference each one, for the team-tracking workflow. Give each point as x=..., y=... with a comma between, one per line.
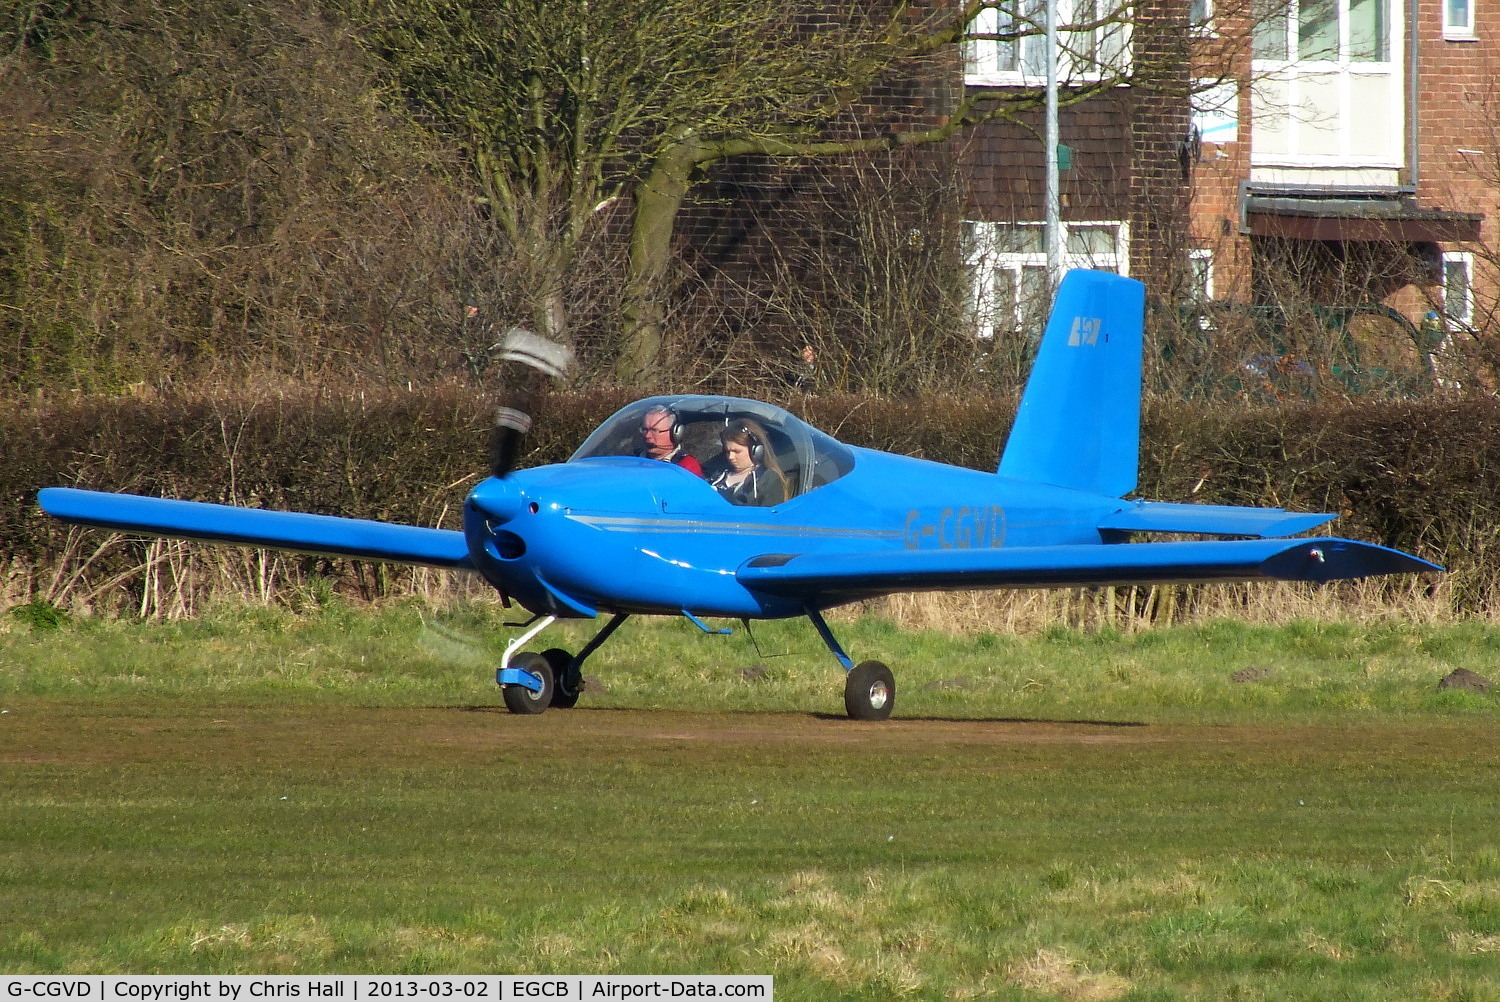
x=570, y=107
x=206, y=180
x=202, y=187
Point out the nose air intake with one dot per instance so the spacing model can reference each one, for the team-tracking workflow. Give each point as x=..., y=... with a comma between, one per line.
x=499, y=501
x=495, y=503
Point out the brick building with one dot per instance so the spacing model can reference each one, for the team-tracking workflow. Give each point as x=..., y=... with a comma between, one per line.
x=1312, y=188
x=1125, y=163
x=1346, y=187
x=1125, y=190
x=1322, y=213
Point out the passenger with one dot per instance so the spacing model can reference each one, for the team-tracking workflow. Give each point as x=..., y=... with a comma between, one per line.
x=662, y=434
x=751, y=474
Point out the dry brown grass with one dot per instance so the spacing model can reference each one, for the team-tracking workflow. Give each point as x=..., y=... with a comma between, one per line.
x=1130, y=609
x=1054, y=973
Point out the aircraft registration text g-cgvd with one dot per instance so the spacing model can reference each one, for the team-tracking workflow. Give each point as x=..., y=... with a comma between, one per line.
x=962, y=528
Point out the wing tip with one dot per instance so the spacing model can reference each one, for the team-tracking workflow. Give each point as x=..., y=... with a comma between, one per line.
x=1338, y=559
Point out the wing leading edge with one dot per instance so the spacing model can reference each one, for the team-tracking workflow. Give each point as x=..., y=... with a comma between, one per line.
x=847, y=576
x=281, y=530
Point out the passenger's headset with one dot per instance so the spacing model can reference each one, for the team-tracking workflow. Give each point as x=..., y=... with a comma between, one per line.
x=757, y=447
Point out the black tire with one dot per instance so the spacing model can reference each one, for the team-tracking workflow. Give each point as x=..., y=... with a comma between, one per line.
x=870, y=691
x=567, y=686
x=518, y=698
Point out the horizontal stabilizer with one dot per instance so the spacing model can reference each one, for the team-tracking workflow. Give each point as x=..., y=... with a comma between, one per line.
x=279, y=530
x=1209, y=519
x=840, y=577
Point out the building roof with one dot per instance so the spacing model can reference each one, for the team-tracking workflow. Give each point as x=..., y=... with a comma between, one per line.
x=1340, y=216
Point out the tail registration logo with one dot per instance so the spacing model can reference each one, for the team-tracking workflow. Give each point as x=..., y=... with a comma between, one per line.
x=1085, y=331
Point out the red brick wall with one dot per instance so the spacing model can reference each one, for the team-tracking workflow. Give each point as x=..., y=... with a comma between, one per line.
x=1130, y=161
x=1460, y=110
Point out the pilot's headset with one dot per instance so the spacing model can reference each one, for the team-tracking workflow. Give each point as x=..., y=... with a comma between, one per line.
x=671, y=412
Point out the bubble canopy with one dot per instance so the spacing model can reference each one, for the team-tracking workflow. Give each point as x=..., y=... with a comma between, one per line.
x=809, y=458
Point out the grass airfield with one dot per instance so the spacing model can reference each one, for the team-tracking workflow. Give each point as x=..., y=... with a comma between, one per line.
x=1073, y=816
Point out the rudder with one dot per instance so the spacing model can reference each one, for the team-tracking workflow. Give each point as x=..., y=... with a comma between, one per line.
x=1079, y=422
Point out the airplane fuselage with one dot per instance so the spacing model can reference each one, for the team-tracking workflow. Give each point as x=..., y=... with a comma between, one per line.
x=661, y=540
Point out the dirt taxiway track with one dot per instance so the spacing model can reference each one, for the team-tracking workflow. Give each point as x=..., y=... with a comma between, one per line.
x=43, y=731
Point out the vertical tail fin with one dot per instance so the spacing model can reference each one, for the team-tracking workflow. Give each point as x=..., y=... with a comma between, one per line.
x=1079, y=422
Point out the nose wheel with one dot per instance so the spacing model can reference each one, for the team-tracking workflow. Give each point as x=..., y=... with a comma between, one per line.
x=536, y=681
x=530, y=682
x=534, y=685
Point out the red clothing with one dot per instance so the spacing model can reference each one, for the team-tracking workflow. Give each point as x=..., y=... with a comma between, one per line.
x=688, y=463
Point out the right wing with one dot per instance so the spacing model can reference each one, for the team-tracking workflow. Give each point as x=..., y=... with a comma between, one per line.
x=280, y=530
x=841, y=577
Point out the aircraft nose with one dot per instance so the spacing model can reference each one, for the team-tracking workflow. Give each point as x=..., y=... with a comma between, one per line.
x=500, y=500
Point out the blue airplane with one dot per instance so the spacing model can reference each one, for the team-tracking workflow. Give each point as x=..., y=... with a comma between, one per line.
x=617, y=531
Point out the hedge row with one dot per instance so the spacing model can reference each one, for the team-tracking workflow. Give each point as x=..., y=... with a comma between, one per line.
x=1422, y=477
x=1418, y=476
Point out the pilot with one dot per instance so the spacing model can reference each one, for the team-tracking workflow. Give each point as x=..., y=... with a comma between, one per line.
x=662, y=434
x=751, y=474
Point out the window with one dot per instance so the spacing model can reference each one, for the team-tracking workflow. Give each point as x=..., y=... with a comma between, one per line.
x=1200, y=287
x=1201, y=16
x=1369, y=35
x=1268, y=37
x=1008, y=262
x=1318, y=30
x=1312, y=30
x=1458, y=19
x=1458, y=291
x=1008, y=42
x=1328, y=87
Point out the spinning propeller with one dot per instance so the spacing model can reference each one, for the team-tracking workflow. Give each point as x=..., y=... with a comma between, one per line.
x=533, y=359
x=529, y=360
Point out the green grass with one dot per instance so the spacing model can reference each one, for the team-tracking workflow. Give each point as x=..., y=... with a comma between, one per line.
x=1066, y=816
x=408, y=655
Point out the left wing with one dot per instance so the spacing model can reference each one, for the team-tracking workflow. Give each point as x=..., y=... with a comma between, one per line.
x=1212, y=519
x=280, y=530
x=847, y=576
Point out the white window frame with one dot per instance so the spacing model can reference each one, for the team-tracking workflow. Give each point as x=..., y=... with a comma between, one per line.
x=991, y=62
x=986, y=258
x=1203, y=291
x=1201, y=14
x=1460, y=315
x=1290, y=84
x=1341, y=56
x=1459, y=30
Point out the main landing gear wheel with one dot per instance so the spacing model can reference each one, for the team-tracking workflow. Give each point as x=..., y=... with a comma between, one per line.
x=567, y=685
x=518, y=698
x=870, y=691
